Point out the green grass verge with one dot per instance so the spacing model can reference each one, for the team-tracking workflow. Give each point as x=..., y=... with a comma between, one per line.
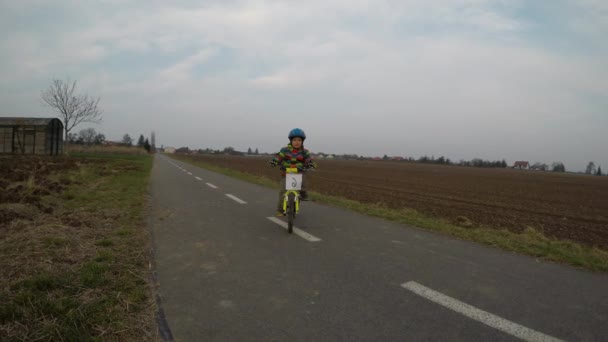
x=530, y=242
x=87, y=272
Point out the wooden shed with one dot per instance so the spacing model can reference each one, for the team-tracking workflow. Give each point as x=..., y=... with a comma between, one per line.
x=41, y=136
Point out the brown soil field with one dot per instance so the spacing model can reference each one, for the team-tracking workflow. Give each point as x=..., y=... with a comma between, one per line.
x=563, y=206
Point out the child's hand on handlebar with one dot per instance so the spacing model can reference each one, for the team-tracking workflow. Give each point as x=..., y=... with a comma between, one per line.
x=311, y=165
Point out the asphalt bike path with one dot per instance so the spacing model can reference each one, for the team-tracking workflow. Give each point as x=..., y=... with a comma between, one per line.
x=228, y=271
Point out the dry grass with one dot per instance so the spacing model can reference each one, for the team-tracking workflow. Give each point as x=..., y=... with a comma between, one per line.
x=73, y=250
x=105, y=149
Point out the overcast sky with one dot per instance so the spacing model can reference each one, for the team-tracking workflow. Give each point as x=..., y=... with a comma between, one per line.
x=520, y=80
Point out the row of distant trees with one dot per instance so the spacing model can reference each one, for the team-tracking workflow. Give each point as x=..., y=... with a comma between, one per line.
x=227, y=150
x=142, y=142
x=476, y=162
x=86, y=137
x=592, y=170
x=74, y=109
x=89, y=136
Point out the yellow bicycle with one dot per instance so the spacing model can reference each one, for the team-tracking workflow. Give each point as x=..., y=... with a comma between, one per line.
x=291, y=200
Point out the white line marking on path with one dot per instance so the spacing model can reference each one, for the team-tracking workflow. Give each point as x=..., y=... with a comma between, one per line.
x=236, y=199
x=472, y=312
x=211, y=185
x=299, y=232
x=190, y=173
x=199, y=178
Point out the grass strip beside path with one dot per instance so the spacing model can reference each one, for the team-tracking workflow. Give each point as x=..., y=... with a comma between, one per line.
x=75, y=266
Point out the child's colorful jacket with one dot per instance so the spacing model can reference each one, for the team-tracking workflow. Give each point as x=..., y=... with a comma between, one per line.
x=292, y=157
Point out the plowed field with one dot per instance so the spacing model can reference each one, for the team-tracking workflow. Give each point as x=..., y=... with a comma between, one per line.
x=565, y=206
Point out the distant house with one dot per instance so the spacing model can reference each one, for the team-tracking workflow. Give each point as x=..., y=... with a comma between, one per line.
x=397, y=158
x=521, y=165
x=169, y=149
x=42, y=136
x=539, y=166
x=376, y=158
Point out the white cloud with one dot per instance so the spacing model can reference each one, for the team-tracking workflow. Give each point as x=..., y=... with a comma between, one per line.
x=181, y=71
x=417, y=72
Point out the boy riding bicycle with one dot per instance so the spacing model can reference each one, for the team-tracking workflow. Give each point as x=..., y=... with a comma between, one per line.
x=294, y=155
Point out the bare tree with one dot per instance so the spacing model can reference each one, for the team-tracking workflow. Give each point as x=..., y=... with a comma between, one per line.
x=73, y=139
x=590, y=168
x=73, y=109
x=141, y=141
x=99, y=139
x=558, y=167
x=87, y=136
x=540, y=166
x=126, y=140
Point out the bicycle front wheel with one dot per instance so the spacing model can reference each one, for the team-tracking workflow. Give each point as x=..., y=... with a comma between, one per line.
x=291, y=212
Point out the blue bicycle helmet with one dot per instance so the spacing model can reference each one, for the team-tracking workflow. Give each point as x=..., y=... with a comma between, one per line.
x=297, y=132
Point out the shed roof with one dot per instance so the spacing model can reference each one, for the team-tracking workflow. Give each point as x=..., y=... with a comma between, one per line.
x=15, y=121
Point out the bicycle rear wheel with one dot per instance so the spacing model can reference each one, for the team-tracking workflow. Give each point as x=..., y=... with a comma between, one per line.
x=291, y=212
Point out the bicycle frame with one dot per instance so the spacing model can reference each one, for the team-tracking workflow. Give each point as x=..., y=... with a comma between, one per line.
x=296, y=194
x=291, y=200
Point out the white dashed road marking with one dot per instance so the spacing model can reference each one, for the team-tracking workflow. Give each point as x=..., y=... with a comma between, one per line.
x=299, y=232
x=236, y=199
x=465, y=309
x=484, y=317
